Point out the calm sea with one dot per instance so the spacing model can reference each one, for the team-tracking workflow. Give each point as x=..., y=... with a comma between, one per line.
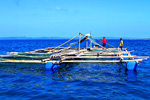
x=81, y=81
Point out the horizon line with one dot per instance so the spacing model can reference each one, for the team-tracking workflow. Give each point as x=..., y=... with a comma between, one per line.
x=27, y=38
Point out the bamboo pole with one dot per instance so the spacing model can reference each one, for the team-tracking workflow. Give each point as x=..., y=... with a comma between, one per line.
x=86, y=44
x=89, y=61
x=20, y=61
x=103, y=57
x=64, y=43
x=79, y=41
x=97, y=61
x=90, y=41
x=67, y=61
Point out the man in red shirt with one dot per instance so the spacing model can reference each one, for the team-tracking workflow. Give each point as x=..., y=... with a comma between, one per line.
x=104, y=42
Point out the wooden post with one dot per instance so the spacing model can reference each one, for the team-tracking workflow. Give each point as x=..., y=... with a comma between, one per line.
x=86, y=43
x=90, y=41
x=79, y=41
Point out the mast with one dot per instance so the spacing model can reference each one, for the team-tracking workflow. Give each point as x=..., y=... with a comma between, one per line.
x=87, y=43
x=90, y=41
x=79, y=40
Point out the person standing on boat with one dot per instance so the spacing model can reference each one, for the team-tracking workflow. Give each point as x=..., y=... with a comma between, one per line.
x=121, y=43
x=104, y=42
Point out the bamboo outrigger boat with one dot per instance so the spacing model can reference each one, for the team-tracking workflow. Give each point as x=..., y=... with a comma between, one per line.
x=54, y=57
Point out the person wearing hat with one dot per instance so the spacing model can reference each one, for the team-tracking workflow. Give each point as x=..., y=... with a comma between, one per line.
x=121, y=43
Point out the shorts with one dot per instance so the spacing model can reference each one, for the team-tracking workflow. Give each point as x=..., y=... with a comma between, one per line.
x=104, y=44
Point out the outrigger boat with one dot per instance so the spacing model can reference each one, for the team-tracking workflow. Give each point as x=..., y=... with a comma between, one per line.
x=54, y=57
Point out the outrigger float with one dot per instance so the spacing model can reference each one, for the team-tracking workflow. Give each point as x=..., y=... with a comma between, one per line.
x=54, y=57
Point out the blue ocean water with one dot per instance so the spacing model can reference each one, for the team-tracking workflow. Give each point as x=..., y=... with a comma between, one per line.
x=80, y=81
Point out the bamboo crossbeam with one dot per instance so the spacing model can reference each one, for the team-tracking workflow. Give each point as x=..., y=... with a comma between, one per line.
x=97, y=61
x=104, y=53
x=142, y=57
x=108, y=48
x=86, y=54
x=26, y=53
x=102, y=57
x=89, y=61
x=67, y=61
x=20, y=61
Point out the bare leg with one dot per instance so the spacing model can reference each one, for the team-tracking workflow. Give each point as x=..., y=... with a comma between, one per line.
x=121, y=48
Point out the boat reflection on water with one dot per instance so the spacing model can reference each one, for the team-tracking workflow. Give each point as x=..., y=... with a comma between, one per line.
x=131, y=75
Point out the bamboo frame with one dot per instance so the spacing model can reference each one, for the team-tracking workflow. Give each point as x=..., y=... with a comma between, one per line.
x=83, y=53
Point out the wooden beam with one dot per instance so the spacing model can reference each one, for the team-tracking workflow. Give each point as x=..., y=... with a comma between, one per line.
x=97, y=61
x=89, y=61
x=67, y=61
x=79, y=41
x=20, y=61
x=101, y=57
